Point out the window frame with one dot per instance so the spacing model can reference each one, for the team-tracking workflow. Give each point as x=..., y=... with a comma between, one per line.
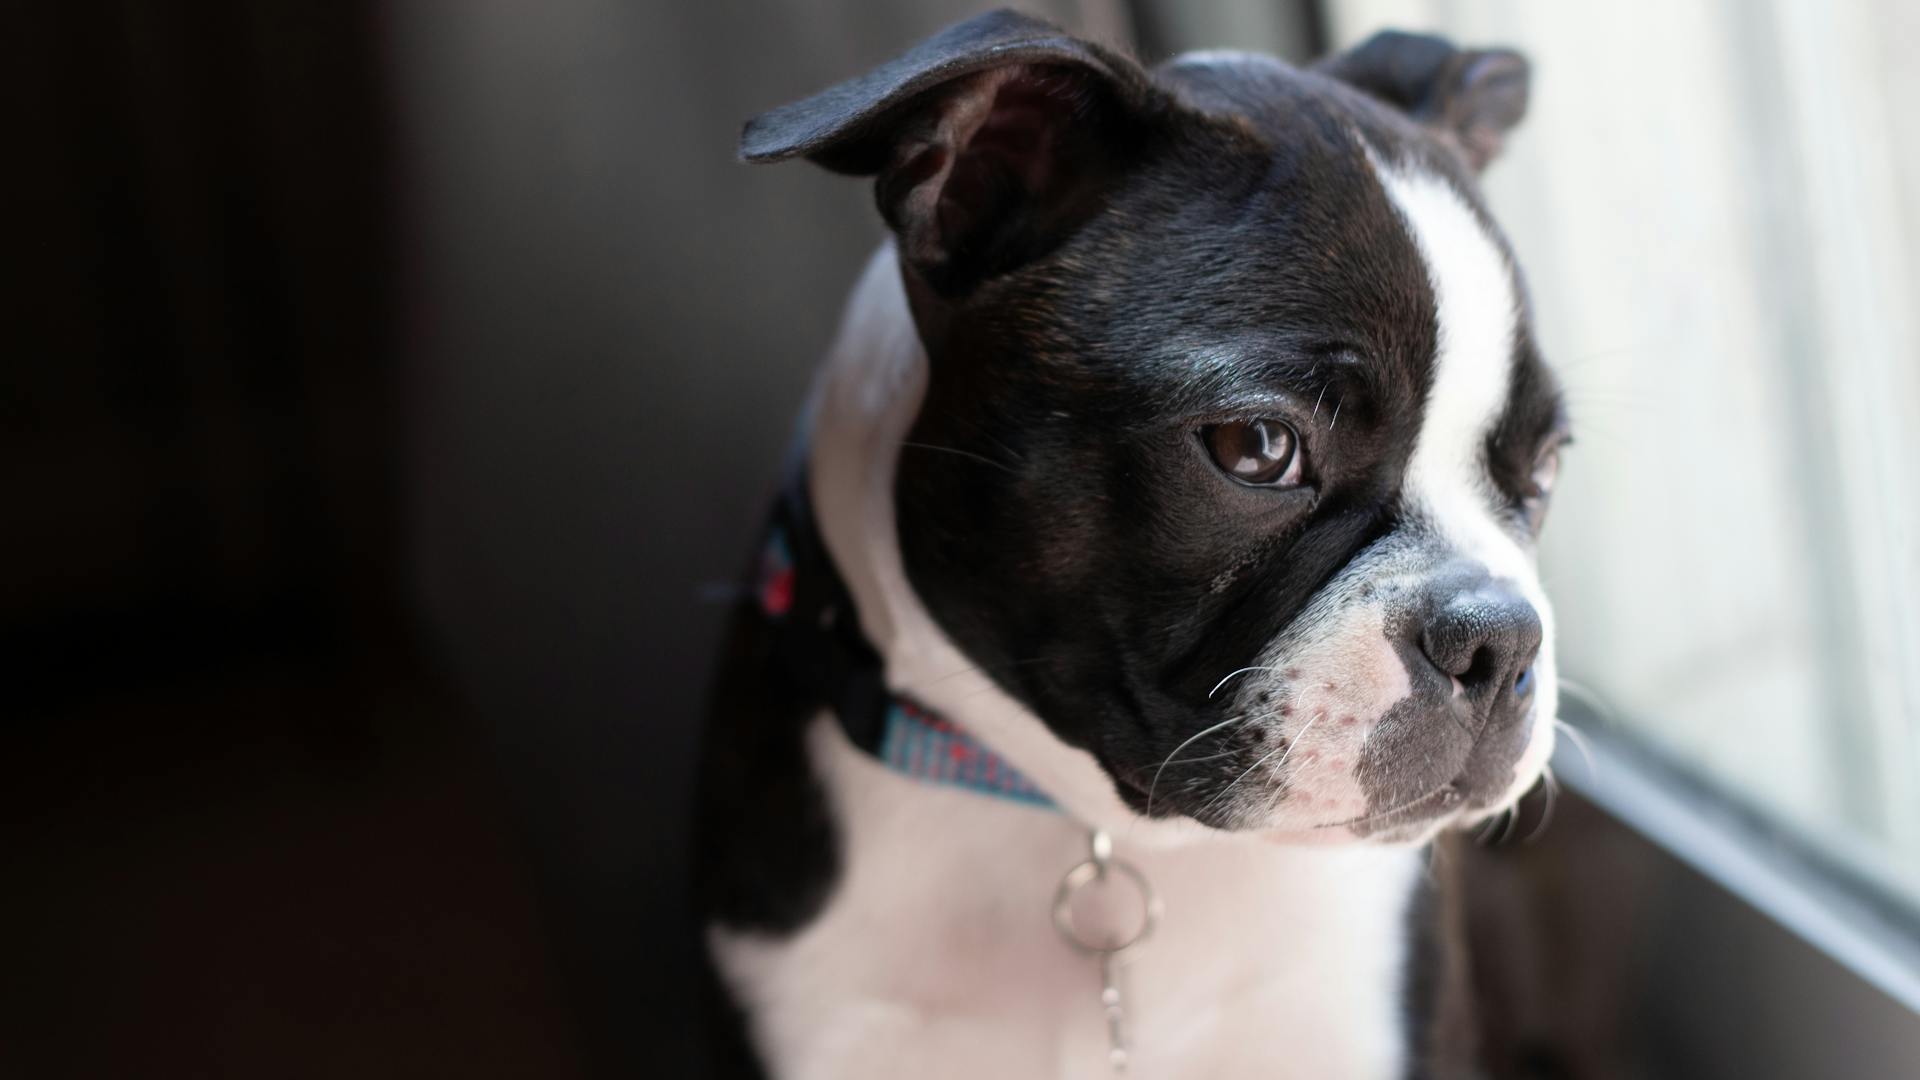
x=1834, y=905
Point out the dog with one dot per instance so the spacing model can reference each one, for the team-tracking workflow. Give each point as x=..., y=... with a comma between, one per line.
x=1162, y=527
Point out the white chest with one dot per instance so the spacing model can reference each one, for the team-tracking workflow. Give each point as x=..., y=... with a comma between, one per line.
x=936, y=956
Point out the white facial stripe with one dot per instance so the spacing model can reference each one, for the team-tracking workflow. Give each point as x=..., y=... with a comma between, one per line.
x=1477, y=310
x=1446, y=479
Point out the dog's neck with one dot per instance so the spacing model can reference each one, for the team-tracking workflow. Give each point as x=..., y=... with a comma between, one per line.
x=1303, y=947
x=865, y=401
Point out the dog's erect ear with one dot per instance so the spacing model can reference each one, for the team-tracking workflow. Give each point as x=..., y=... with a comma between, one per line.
x=1472, y=97
x=991, y=141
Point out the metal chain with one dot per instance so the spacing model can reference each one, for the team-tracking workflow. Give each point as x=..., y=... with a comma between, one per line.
x=1101, y=867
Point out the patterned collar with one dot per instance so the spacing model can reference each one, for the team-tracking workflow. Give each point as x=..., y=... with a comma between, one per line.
x=817, y=637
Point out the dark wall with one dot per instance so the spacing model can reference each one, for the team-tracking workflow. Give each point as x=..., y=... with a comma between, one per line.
x=199, y=420
x=249, y=829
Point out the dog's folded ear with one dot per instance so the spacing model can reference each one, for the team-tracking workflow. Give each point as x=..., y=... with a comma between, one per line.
x=990, y=141
x=1472, y=97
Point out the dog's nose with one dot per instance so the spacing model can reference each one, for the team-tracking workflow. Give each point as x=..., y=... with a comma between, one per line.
x=1485, y=634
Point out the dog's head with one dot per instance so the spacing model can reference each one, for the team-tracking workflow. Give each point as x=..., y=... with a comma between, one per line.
x=1236, y=441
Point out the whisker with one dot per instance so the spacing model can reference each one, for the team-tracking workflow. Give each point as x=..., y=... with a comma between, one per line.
x=1287, y=747
x=1567, y=367
x=1231, y=675
x=1513, y=820
x=968, y=454
x=1295, y=741
x=1243, y=720
x=1578, y=399
x=1579, y=742
x=1388, y=812
x=1204, y=757
x=1492, y=832
x=1155, y=785
x=981, y=669
x=1236, y=780
x=1593, y=699
x=1483, y=833
x=1552, y=787
x=1011, y=452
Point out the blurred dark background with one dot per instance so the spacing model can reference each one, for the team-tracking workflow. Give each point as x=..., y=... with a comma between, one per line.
x=255, y=829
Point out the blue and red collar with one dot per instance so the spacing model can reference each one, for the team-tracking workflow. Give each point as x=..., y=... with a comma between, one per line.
x=818, y=638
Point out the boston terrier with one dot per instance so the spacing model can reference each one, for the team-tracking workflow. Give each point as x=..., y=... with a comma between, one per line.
x=1156, y=579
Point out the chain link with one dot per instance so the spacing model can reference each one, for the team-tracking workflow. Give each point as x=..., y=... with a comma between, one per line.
x=1102, y=867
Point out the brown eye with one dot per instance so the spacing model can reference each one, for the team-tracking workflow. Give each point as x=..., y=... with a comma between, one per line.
x=1261, y=452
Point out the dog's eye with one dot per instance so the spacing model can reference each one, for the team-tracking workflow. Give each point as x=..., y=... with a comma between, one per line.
x=1533, y=499
x=1546, y=469
x=1262, y=452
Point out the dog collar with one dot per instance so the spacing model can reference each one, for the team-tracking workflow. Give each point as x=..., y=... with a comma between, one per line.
x=817, y=638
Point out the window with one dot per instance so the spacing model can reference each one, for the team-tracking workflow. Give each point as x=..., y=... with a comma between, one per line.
x=1718, y=209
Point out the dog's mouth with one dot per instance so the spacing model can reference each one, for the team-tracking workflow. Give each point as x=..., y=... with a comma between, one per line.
x=1492, y=778
x=1440, y=801
x=1401, y=779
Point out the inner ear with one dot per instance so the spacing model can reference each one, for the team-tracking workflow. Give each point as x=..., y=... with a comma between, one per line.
x=998, y=172
x=992, y=141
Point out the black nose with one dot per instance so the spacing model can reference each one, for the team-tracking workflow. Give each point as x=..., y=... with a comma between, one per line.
x=1485, y=634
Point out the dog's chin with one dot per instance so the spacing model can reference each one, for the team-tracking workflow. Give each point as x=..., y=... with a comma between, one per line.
x=1408, y=826
x=1412, y=826
x=1419, y=819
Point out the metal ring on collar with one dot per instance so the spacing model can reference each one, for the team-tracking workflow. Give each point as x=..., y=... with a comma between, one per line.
x=1087, y=873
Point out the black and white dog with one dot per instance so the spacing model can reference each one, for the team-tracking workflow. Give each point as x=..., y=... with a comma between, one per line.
x=1175, y=478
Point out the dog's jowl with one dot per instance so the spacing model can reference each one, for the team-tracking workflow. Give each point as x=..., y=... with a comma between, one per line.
x=1174, y=479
